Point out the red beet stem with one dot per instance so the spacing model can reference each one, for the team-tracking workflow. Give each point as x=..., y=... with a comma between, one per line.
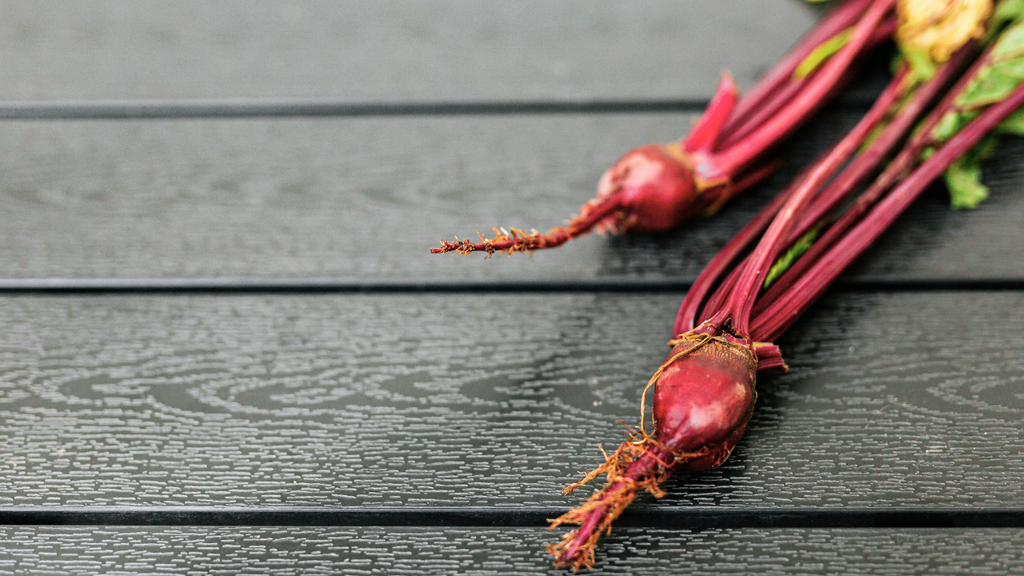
x=736, y=131
x=769, y=357
x=734, y=298
x=741, y=298
x=834, y=22
x=686, y=319
x=892, y=134
x=718, y=197
x=705, y=133
x=804, y=292
x=844, y=184
x=809, y=99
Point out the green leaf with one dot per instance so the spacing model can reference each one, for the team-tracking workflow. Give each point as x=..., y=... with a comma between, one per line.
x=948, y=125
x=993, y=83
x=802, y=244
x=964, y=183
x=823, y=52
x=1013, y=124
x=920, y=63
x=1005, y=12
x=963, y=177
x=1011, y=40
x=1000, y=76
x=1013, y=68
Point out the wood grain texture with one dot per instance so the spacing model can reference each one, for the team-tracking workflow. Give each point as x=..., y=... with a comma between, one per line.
x=366, y=198
x=390, y=51
x=894, y=400
x=297, y=550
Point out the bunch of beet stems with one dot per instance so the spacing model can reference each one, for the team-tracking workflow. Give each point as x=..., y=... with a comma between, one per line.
x=704, y=391
x=657, y=187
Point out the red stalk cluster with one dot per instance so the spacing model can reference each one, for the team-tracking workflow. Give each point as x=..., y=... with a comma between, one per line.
x=704, y=392
x=657, y=187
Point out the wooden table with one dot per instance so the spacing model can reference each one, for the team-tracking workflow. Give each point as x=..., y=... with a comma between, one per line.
x=225, y=348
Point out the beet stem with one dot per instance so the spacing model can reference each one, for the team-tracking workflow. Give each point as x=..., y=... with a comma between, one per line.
x=734, y=133
x=813, y=282
x=705, y=132
x=894, y=132
x=686, y=319
x=835, y=21
x=741, y=298
x=809, y=98
x=844, y=184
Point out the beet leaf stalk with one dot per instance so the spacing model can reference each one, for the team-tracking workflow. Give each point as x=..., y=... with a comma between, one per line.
x=931, y=117
x=657, y=187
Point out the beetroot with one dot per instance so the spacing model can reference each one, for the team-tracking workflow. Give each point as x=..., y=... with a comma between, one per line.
x=704, y=396
x=653, y=185
x=657, y=187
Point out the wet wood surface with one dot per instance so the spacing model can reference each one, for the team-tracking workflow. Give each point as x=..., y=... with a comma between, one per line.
x=226, y=348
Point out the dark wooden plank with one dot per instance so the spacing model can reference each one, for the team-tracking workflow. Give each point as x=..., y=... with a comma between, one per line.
x=291, y=550
x=390, y=51
x=894, y=400
x=365, y=198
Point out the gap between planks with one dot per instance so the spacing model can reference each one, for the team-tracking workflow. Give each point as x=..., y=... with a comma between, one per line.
x=332, y=107
x=694, y=518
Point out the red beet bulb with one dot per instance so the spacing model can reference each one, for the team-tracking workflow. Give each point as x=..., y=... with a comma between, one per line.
x=703, y=398
x=657, y=187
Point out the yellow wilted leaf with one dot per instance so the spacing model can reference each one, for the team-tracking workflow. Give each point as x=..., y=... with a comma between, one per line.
x=939, y=27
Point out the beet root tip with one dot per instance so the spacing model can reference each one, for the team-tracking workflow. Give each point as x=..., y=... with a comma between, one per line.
x=630, y=469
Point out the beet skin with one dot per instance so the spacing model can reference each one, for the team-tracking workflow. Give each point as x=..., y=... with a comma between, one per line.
x=703, y=400
x=654, y=187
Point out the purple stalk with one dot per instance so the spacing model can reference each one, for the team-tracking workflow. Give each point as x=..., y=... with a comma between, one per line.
x=784, y=311
x=896, y=169
x=784, y=94
x=841, y=152
x=838, y=190
x=808, y=99
x=834, y=22
x=741, y=298
x=685, y=319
